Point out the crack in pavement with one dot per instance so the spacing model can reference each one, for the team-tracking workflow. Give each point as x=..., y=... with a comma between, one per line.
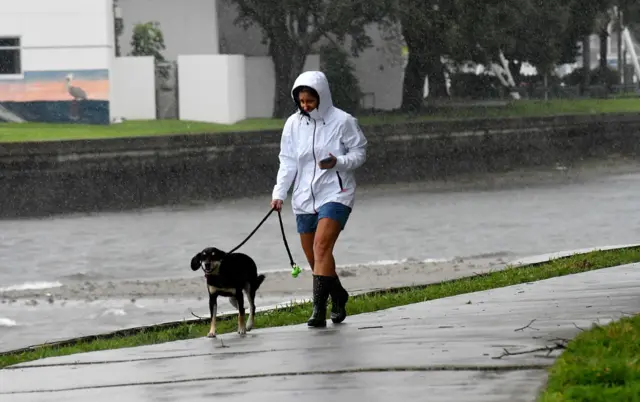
x=224, y=355
x=142, y=359
x=494, y=368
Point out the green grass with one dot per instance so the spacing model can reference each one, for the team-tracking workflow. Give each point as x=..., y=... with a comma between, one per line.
x=17, y=132
x=599, y=365
x=299, y=313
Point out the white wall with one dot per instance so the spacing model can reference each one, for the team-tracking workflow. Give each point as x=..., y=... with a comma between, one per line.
x=235, y=39
x=261, y=83
x=61, y=34
x=380, y=70
x=133, y=95
x=188, y=26
x=212, y=88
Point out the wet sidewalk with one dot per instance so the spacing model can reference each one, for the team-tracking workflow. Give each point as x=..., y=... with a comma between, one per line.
x=485, y=346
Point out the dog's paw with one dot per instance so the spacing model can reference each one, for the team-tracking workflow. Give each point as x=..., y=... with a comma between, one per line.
x=249, y=324
x=211, y=334
x=242, y=330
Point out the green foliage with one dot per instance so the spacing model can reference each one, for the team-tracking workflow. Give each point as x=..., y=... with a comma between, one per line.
x=481, y=86
x=531, y=31
x=607, y=77
x=148, y=40
x=302, y=24
x=345, y=88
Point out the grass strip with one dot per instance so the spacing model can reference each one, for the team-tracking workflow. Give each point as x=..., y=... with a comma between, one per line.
x=599, y=365
x=374, y=301
x=19, y=132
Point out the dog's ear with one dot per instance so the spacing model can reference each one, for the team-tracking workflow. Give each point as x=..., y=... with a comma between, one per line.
x=196, y=261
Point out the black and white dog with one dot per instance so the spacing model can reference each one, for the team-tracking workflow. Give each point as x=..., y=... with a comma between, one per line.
x=229, y=275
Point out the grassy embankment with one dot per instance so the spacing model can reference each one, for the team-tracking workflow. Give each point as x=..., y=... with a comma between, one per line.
x=599, y=365
x=16, y=132
x=299, y=313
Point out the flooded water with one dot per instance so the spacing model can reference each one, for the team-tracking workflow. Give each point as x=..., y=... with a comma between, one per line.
x=514, y=215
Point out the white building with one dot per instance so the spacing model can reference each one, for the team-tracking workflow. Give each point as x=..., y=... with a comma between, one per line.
x=55, y=59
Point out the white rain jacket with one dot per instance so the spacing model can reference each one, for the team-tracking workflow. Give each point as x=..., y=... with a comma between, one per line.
x=307, y=139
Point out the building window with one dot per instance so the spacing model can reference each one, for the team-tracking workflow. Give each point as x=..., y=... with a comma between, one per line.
x=10, y=63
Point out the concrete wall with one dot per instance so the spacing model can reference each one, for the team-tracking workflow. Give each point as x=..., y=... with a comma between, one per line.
x=133, y=88
x=261, y=83
x=212, y=88
x=47, y=178
x=58, y=41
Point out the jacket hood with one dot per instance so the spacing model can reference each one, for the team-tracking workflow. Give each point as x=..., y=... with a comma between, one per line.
x=318, y=81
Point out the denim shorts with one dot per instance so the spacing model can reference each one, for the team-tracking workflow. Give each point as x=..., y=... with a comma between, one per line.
x=308, y=223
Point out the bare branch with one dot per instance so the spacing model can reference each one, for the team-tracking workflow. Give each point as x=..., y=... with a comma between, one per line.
x=197, y=316
x=527, y=326
x=581, y=329
x=560, y=344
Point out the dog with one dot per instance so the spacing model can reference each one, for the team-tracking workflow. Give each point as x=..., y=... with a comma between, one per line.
x=228, y=275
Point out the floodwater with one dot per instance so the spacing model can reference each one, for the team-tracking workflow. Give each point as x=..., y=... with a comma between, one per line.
x=511, y=215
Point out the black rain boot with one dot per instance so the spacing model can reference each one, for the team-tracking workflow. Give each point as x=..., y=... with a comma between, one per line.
x=321, y=289
x=339, y=298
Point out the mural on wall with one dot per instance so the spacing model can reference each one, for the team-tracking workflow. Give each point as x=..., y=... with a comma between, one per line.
x=56, y=97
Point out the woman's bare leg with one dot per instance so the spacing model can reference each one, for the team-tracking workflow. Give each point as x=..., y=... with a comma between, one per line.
x=323, y=244
x=306, y=240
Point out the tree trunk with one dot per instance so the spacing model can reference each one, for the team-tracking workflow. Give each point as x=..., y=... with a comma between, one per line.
x=288, y=62
x=586, y=64
x=437, y=79
x=619, y=48
x=514, y=69
x=604, y=35
x=413, y=84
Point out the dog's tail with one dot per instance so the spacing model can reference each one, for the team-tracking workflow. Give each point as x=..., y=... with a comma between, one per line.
x=258, y=281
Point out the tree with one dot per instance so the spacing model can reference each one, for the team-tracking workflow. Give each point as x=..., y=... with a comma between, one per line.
x=626, y=15
x=343, y=82
x=428, y=31
x=291, y=29
x=532, y=31
x=148, y=40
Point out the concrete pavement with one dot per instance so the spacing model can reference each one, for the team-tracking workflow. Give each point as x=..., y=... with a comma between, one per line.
x=447, y=350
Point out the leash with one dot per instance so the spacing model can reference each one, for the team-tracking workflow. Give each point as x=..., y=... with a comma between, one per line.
x=295, y=269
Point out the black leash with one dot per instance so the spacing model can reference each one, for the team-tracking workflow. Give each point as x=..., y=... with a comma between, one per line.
x=295, y=270
x=284, y=240
x=254, y=231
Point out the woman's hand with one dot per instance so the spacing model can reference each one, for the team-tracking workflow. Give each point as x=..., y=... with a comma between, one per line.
x=276, y=204
x=328, y=163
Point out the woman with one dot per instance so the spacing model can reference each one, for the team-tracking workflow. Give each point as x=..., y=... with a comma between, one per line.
x=320, y=148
